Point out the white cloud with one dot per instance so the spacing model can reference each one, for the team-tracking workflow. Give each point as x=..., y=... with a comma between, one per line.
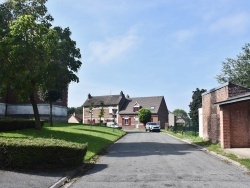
x=185, y=34
x=234, y=24
x=112, y=48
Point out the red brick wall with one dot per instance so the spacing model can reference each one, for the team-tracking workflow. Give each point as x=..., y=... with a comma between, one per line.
x=239, y=122
x=133, y=123
x=225, y=128
x=211, y=113
x=162, y=114
x=95, y=117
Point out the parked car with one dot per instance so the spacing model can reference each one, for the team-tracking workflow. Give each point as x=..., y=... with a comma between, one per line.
x=152, y=126
x=113, y=125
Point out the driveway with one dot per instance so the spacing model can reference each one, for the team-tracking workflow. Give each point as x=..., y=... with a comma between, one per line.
x=143, y=159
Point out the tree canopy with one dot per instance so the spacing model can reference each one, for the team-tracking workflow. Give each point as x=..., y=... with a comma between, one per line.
x=144, y=115
x=180, y=113
x=34, y=55
x=237, y=70
x=101, y=112
x=195, y=104
x=77, y=110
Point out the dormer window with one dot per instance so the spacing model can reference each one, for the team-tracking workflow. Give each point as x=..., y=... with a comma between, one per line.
x=136, y=107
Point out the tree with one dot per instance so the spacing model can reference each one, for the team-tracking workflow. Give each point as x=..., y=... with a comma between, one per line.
x=237, y=70
x=71, y=110
x=77, y=110
x=91, y=107
x=102, y=112
x=195, y=104
x=51, y=96
x=144, y=115
x=180, y=113
x=40, y=57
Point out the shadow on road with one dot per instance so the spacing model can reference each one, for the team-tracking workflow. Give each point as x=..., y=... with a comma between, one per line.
x=148, y=148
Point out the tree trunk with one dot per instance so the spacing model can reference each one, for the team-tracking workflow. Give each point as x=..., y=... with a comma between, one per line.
x=36, y=113
x=50, y=113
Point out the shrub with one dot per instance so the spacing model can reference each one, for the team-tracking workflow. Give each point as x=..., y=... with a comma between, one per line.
x=9, y=124
x=40, y=153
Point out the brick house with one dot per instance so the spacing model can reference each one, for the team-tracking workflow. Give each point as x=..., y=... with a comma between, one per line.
x=235, y=121
x=10, y=106
x=127, y=110
x=212, y=127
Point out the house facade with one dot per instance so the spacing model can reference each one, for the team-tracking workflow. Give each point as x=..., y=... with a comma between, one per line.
x=10, y=106
x=127, y=110
x=211, y=113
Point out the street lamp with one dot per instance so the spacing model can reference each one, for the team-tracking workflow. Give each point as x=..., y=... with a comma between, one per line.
x=114, y=113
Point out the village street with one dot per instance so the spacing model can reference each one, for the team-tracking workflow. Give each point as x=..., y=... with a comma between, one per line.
x=143, y=159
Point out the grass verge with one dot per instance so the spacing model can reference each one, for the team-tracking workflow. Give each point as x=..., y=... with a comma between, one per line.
x=97, y=137
x=210, y=146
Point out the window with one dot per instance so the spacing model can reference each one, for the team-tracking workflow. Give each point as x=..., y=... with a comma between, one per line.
x=126, y=121
x=136, y=109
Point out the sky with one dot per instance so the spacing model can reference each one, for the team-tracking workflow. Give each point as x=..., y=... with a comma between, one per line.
x=151, y=47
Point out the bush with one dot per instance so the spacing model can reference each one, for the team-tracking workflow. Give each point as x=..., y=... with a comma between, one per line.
x=40, y=153
x=9, y=124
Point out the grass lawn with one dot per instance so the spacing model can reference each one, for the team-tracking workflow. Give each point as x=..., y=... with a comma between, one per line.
x=210, y=146
x=97, y=137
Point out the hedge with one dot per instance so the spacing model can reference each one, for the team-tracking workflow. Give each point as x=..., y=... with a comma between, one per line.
x=40, y=153
x=9, y=124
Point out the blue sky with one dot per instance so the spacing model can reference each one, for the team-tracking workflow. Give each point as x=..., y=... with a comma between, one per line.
x=152, y=47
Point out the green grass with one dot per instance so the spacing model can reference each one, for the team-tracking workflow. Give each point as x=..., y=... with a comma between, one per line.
x=215, y=147
x=97, y=137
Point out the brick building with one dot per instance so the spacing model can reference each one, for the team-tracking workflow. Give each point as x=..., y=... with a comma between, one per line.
x=127, y=110
x=235, y=121
x=10, y=106
x=212, y=127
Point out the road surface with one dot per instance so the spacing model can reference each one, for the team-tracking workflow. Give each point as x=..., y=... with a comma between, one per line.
x=146, y=160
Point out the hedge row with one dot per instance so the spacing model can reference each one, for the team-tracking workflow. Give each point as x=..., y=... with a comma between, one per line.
x=16, y=124
x=39, y=153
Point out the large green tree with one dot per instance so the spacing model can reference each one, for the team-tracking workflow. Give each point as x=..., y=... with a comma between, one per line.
x=237, y=70
x=180, y=113
x=195, y=104
x=144, y=115
x=34, y=56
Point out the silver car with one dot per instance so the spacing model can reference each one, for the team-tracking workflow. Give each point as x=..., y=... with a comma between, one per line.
x=152, y=126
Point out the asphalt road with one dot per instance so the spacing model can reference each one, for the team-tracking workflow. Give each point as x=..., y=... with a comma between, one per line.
x=13, y=179
x=145, y=160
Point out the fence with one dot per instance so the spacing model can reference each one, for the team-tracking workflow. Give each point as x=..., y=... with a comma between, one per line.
x=190, y=128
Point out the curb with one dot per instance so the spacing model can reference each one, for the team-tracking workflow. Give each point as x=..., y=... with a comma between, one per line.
x=68, y=176
x=221, y=157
